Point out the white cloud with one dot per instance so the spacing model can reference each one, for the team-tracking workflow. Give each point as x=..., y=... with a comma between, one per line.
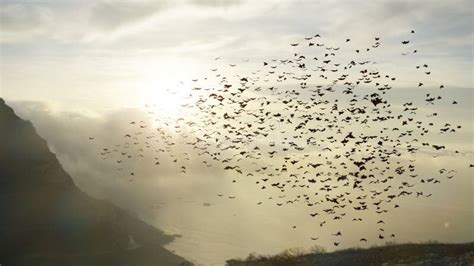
x=109, y=16
x=19, y=21
x=216, y=3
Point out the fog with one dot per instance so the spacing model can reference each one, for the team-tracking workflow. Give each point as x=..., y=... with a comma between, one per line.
x=212, y=228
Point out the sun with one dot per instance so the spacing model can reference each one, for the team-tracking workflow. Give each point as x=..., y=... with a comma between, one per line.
x=166, y=99
x=166, y=85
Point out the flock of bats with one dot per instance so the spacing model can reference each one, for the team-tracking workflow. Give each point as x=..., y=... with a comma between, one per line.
x=314, y=128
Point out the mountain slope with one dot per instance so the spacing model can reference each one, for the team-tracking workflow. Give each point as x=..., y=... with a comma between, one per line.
x=47, y=220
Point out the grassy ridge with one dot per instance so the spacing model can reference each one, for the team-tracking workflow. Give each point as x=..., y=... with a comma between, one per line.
x=390, y=254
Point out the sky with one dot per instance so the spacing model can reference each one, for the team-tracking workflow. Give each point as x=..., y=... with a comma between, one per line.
x=85, y=68
x=77, y=52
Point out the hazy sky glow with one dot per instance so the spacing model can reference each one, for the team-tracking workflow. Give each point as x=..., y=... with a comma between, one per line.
x=79, y=52
x=85, y=68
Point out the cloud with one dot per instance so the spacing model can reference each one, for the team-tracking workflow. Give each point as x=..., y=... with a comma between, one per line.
x=68, y=132
x=110, y=16
x=216, y=3
x=19, y=17
x=19, y=21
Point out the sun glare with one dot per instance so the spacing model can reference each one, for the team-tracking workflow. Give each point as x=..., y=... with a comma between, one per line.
x=167, y=99
x=166, y=88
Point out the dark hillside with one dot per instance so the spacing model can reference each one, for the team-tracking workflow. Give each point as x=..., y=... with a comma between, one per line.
x=47, y=220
